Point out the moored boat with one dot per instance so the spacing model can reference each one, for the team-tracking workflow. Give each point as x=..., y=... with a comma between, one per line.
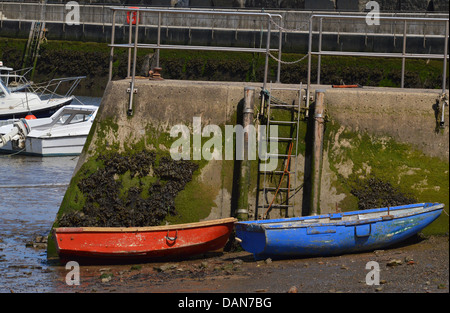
x=137, y=243
x=335, y=233
x=14, y=105
x=62, y=134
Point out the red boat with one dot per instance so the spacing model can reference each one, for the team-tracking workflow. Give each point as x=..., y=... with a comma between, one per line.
x=130, y=243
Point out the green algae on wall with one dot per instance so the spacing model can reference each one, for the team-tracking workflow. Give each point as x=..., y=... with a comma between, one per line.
x=356, y=157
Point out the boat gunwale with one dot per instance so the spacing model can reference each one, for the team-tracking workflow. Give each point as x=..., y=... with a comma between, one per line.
x=296, y=222
x=184, y=226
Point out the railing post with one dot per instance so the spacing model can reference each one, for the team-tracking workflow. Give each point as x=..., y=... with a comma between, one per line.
x=319, y=57
x=403, y=56
x=159, y=39
x=444, y=69
x=130, y=105
x=130, y=34
x=266, y=66
x=308, y=87
x=111, y=55
x=280, y=40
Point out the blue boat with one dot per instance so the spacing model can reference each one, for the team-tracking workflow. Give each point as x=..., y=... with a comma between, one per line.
x=335, y=233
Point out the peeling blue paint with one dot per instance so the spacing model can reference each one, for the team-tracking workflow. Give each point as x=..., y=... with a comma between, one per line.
x=330, y=234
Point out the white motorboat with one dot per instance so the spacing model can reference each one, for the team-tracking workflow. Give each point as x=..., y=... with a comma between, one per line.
x=63, y=133
x=14, y=80
x=20, y=104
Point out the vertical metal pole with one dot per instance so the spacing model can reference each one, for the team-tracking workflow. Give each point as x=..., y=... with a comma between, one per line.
x=111, y=55
x=130, y=34
x=308, y=87
x=266, y=66
x=319, y=60
x=280, y=39
x=403, y=56
x=130, y=105
x=316, y=170
x=444, y=70
x=159, y=39
x=244, y=181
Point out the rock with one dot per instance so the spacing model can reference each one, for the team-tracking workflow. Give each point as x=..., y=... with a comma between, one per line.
x=394, y=262
x=293, y=289
x=105, y=269
x=268, y=261
x=237, y=261
x=106, y=277
x=166, y=267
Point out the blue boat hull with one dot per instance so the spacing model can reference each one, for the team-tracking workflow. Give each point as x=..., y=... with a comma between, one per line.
x=337, y=233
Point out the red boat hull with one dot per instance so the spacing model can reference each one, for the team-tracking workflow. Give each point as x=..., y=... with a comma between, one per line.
x=172, y=241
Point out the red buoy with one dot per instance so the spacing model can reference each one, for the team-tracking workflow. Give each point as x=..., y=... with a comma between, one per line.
x=30, y=117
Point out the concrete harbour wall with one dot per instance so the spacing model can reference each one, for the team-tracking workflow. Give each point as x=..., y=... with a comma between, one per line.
x=386, y=116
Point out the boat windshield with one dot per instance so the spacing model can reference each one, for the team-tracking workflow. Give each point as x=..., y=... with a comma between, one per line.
x=3, y=90
x=73, y=118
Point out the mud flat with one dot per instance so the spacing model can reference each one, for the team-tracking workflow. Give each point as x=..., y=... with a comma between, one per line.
x=420, y=265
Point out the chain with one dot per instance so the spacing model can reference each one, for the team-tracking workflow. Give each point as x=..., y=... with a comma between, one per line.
x=284, y=29
x=287, y=62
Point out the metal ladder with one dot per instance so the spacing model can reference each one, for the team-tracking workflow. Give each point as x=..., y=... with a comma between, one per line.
x=286, y=183
x=35, y=38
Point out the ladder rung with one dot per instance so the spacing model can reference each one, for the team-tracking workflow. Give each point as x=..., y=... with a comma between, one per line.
x=281, y=139
x=284, y=105
x=281, y=188
x=274, y=172
x=282, y=122
x=276, y=206
x=278, y=155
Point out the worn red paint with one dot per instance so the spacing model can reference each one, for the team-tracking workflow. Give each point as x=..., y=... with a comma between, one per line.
x=142, y=242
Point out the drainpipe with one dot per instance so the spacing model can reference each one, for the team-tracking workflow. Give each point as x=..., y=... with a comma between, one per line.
x=244, y=181
x=316, y=164
x=443, y=99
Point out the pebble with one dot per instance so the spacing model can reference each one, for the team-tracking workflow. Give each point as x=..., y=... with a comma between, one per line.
x=394, y=262
x=293, y=289
x=167, y=266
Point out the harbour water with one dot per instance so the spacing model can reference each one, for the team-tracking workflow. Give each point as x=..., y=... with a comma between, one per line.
x=31, y=191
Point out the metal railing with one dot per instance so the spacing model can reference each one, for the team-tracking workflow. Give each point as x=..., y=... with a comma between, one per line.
x=403, y=55
x=134, y=15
